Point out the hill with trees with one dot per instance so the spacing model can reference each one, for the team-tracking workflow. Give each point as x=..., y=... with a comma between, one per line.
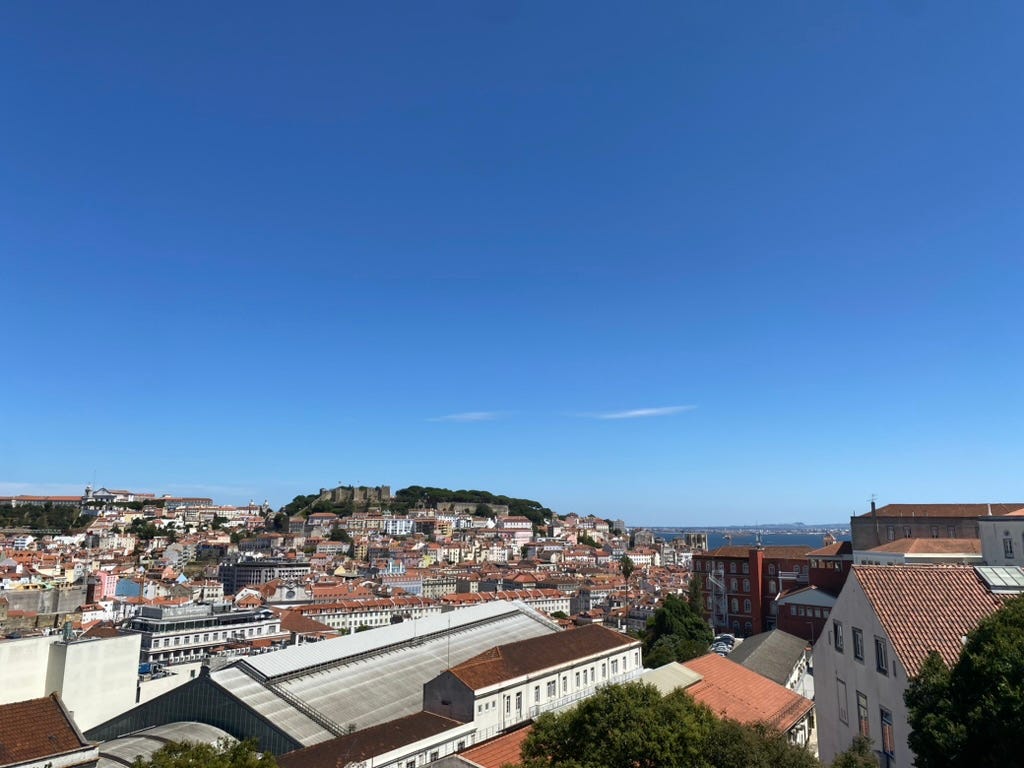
x=418, y=496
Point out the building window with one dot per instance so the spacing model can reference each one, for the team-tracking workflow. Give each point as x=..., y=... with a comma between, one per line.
x=746, y=585
x=434, y=755
x=734, y=605
x=907, y=533
x=615, y=666
x=748, y=628
x=746, y=606
x=890, y=533
x=1008, y=548
x=508, y=704
x=951, y=531
x=732, y=567
x=858, y=644
x=862, y=715
x=536, y=694
x=577, y=681
x=773, y=588
x=771, y=569
x=935, y=531
x=792, y=609
x=746, y=567
x=733, y=585
x=888, y=737
x=519, y=707
x=881, y=656
x=837, y=634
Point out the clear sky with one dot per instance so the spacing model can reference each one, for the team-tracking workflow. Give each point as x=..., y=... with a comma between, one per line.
x=684, y=263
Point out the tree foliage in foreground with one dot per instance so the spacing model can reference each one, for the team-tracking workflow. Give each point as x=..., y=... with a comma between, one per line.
x=973, y=713
x=676, y=632
x=224, y=754
x=634, y=725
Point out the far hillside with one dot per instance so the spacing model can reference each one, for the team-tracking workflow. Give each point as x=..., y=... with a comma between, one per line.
x=420, y=497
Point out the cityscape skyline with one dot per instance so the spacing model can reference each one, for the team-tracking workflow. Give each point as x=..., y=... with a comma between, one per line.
x=670, y=264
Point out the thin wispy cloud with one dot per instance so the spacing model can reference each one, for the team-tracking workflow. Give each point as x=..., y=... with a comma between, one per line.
x=643, y=413
x=468, y=416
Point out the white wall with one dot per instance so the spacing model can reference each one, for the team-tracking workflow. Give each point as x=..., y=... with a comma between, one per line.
x=852, y=609
x=96, y=679
x=24, y=665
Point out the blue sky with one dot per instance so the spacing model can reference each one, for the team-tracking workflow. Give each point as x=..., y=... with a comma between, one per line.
x=252, y=250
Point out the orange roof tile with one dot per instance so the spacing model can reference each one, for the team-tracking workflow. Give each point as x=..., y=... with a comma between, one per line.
x=506, y=662
x=943, y=510
x=926, y=608
x=935, y=546
x=34, y=729
x=733, y=691
x=504, y=750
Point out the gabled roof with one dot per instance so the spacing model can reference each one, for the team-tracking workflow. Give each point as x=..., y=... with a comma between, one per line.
x=781, y=551
x=943, y=510
x=931, y=546
x=733, y=691
x=502, y=751
x=35, y=729
x=926, y=608
x=772, y=654
x=507, y=662
x=368, y=743
x=837, y=549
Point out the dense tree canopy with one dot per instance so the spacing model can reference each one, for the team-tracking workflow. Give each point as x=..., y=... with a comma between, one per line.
x=973, y=713
x=224, y=754
x=420, y=496
x=676, y=632
x=634, y=725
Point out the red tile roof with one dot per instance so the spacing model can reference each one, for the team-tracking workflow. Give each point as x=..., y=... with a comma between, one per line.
x=926, y=608
x=833, y=550
x=368, y=743
x=774, y=551
x=943, y=510
x=504, y=750
x=507, y=662
x=735, y=692
x=936, y=546
x=35, y=729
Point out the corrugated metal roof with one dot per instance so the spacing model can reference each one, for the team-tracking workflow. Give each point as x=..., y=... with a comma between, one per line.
x=370, y=677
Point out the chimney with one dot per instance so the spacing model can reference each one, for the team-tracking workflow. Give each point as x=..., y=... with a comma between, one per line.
x=872, y=505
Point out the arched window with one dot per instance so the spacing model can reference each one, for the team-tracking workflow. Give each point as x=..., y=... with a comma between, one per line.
x=773, y=588
x=746, y=606
x=734, y=604
x=748, y=627
x=732, y=567
x=746, y=585
x=771, y=569
x=733, y=585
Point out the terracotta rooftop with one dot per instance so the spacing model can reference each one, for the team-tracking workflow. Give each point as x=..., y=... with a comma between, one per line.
x=368, y=743
x=833, y=550
x=926, y=608
x=943, y=510
x=933, y=546
x=735, y=692
x=506, y=662
x=35, y=729
x=743, y=550
x=504, y=750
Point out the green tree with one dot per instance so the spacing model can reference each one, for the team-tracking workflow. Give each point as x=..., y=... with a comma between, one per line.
x=586, y=540
x=627, y=566
x=676, y=632
x=621, y=725
x=338, y=534
x=973, y=713
x=634, y=725
x=223, y=754
x=861, y=754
